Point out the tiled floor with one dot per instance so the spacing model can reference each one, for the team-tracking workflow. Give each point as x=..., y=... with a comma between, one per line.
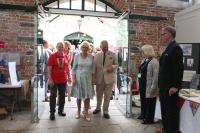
x=117, y=124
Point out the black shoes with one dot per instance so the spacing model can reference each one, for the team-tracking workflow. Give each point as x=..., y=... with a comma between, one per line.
x=61, y=114
x=140, y=117
x=96, y=111
x=52, y=117
x=111, y=98
x=107, y=116
x=147, y=122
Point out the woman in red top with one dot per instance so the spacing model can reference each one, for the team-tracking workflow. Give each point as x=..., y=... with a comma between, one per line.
x=58, y=75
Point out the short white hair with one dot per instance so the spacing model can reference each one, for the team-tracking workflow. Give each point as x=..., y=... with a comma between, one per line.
x=85, y=44
x=148, y=50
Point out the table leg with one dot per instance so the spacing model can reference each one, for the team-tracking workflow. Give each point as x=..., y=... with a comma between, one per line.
x=12, y=110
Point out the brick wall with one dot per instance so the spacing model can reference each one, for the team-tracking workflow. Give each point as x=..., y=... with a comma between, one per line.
x=18, y=2
x=147, y=31
x=17, y=30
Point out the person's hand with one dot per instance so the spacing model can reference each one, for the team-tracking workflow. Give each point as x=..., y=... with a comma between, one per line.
x=109, y=69
x=51, y=82
x=172, y=91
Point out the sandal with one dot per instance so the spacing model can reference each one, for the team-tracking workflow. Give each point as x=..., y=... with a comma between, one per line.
x=87, y=117
x=77, y=116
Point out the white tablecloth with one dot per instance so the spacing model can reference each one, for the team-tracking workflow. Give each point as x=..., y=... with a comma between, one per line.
x=189, y=119
x=189, y=122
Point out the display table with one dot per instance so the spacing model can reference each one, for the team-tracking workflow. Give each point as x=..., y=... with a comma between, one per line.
x=11, y=94
x=190, y=111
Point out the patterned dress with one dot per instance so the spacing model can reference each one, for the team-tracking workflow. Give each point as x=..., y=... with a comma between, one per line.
x=83, y=68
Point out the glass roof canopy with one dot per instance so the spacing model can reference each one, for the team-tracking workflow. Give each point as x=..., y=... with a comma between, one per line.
x=98, y=8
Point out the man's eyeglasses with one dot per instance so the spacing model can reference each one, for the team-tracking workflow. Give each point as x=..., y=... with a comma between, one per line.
x=163, y=33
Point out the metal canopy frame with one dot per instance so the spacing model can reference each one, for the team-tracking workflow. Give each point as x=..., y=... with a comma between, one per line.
x=54, y=7
x=78, y=36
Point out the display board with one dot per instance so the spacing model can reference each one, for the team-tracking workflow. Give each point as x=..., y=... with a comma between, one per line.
x=191, y=57
x=187, y=35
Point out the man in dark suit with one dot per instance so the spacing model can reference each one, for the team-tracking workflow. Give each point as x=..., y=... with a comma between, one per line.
x=169, y=81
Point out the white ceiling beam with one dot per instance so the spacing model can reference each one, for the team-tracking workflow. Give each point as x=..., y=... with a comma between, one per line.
x=84, y=13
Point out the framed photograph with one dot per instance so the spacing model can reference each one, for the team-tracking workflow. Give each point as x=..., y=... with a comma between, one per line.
x=187, y=49
x=190, y=62
x=187, y=75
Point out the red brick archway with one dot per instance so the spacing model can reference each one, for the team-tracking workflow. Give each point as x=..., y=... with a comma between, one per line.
x=119, y=4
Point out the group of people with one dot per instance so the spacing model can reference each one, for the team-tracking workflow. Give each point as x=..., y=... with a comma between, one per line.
x=161, y=79
x=87, y=70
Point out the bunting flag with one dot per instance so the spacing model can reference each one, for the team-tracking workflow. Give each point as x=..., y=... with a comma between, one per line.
x=194, y=107
x=181, y=102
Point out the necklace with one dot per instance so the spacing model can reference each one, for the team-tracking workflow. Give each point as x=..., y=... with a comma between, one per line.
x=60, y=65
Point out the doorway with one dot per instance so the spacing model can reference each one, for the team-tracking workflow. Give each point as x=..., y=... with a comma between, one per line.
x=100, y=25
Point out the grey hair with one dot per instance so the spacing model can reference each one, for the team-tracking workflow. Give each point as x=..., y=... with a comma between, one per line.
x=104, y=41
x=170, y=30
x=85, y=44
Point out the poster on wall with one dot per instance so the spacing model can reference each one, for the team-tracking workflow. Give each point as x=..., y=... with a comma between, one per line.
x=13, y=74
x=190, y=62
x=10, y=57
x=187, y=49
x=187, y=75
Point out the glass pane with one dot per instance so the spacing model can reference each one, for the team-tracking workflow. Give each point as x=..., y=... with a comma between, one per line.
x=76, y=4
x=100, y=6
x=89, y=5
x=123, y=93
x=53, y=5
x=64, y=4
x=34, y=100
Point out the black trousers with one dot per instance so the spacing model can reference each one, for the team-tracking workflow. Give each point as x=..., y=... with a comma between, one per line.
x=150, y=109
x=143, y=103
x=61, y=90
x=170, y=112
